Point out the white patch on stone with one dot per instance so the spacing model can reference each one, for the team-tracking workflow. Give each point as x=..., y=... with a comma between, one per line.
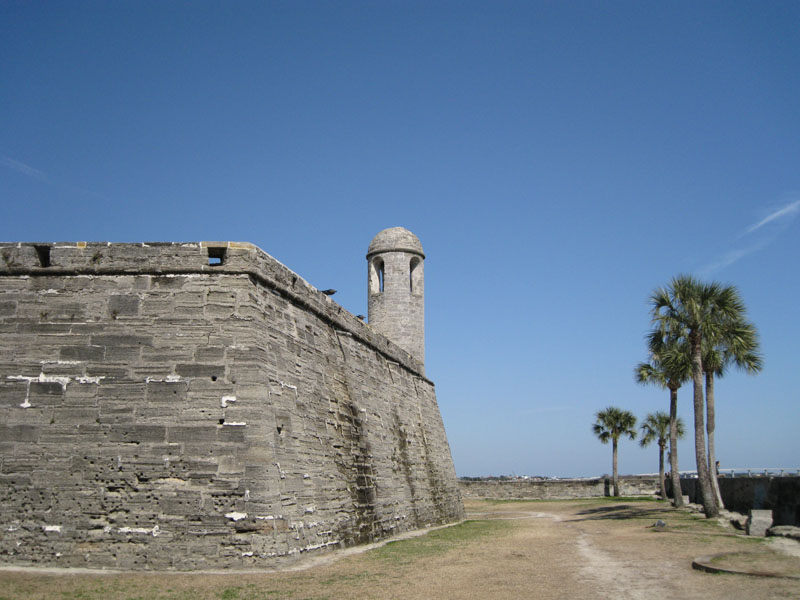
x=234, y=424
x=289, y=386
x=87, y=379
x=167, y=379
x=310, y=510
x=246, y=495
x=139, y=530
x=60, y=362
x=51, y=528
x=247, y=554
x=226, y=399
x=236, y=516
x=41, y=378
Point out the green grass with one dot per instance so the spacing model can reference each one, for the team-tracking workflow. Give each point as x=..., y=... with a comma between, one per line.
x=436, y=542
x=595, y=500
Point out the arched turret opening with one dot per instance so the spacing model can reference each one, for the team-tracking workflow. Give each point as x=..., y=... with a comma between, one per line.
x=376, y=276
x=415, y=276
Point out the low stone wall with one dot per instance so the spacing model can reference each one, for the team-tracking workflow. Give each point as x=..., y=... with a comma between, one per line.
x=556, y=489
x=781, y=495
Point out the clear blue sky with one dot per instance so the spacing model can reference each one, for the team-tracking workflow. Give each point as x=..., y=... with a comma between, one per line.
x=557, y=160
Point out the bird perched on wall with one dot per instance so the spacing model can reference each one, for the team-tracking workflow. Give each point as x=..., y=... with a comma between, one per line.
x=330, y=292
x=360, y=317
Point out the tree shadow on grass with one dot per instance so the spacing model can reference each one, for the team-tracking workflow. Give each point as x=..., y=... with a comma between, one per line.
x=619, y=512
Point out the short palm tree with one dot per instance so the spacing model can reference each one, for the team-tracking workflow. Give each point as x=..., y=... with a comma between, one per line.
x=611, y=424
x=656, y=427
x=670, y=367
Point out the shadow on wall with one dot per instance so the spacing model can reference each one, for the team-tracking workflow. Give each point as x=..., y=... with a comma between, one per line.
x=781, y=495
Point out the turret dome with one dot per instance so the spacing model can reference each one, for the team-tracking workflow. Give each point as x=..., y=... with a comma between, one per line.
x=395, y=239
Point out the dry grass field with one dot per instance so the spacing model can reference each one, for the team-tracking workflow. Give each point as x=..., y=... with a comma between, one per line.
x=594, y=548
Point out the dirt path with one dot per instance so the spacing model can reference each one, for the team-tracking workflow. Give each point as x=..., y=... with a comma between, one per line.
x=615, y=551
x=510, y=550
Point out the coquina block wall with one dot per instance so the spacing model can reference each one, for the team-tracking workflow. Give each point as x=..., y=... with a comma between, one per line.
x=551, y=489
x=185, y=406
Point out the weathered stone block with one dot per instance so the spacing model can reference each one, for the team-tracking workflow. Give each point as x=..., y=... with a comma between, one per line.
x=200, y=370
x=758, y=521
x=136, y=433
x=122, y=340
x=122, y=306
x=19, y=433
x=206, y=433
x=82, y=353
x=166, y=391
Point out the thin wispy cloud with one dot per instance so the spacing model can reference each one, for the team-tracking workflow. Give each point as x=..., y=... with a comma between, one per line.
x=33, y=173
x=731, y=257
x=788, y=210
x=778, y=220
x=22, y=168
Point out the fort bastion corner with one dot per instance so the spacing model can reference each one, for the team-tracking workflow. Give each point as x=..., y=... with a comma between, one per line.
x=199, y=405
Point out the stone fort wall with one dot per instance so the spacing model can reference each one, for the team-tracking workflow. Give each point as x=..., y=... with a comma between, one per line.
x=556, y=489
x=184, y=406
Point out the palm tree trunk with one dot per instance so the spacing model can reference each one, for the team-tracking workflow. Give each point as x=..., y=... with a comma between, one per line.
x=677, y=493
x=661, y=471
x=614, y=469
x=710, y=426
x=709, y=500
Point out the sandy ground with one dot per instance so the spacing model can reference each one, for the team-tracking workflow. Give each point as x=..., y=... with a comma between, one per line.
x=575, y=549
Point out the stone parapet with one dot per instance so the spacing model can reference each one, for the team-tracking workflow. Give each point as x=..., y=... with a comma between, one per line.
x=175, y=258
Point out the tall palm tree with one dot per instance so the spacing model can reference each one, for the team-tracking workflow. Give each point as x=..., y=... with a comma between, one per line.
x=656, y=427
x=701, y=310
x=610, y=424
x=735, y=344
x=669, y=367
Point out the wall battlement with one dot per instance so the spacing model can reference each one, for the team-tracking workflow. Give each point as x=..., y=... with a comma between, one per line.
x=199, y=405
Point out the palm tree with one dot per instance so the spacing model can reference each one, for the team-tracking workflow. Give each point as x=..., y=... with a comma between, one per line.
x=669, y=367
x=735, y=344
x=610, y=424
x=698, y=311
x=656, y=427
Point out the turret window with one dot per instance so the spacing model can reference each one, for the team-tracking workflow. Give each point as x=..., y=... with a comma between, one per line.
x=376, y=276
x=415, y=276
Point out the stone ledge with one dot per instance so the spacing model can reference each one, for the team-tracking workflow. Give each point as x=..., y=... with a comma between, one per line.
x=704, y=563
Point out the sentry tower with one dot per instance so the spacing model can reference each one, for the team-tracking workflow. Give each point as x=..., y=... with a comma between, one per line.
x=396, y=289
